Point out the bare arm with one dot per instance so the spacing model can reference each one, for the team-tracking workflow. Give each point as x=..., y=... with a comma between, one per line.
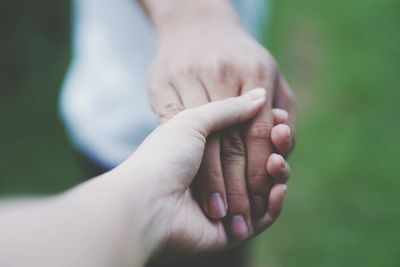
x=168, y=14
x=87, y=226
x=143, y=206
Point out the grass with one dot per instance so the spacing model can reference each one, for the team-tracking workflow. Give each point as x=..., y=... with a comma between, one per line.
x=341, y=57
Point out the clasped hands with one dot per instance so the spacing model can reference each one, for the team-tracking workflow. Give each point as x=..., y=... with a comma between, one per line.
x=167, y=168
x=145, y=206
x=211, y=175
x=240, y=164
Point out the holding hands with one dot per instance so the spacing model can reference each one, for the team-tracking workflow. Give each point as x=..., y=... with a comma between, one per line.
x=142, y=207
x=205, y=60
x=211, y=175
x=170, y=158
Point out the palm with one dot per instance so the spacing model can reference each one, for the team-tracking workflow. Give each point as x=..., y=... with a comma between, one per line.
x=193, y=229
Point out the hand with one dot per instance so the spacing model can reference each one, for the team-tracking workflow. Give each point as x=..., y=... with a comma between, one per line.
x=202, y=61
x=168, y=161
x=145, y=205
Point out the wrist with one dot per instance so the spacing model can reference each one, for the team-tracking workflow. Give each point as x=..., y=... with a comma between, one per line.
x=147, y=209
x=171, y=15
x=118, y=214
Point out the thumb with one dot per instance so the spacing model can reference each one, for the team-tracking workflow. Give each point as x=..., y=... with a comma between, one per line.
x=218, y=115
x=175, y=143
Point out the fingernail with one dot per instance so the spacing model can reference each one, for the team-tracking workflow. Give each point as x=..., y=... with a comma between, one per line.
x=288, y=132
x=259, y=206
x=283, y=163
x=280, y=161
x=217, y=206
x=282, y=113
x=289, y=139
x=283, y=188
x=239, y=228
x=256, y=94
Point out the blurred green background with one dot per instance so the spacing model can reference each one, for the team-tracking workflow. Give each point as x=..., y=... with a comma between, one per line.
x=343, y=60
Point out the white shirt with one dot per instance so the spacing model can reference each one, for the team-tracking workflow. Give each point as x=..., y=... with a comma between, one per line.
x=104, y=100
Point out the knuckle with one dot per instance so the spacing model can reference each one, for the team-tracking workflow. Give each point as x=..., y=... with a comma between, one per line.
x=232, y=146
x=220, y=69
x=265, y=71
x=169, y=110
x=257, y=175
x=223, y=71
x=260, y=71
x=238, y=200
x=258, y=183
x=213, y=174
x=260, y=130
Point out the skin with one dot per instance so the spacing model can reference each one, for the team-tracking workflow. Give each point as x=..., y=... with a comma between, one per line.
x=204, y=55
x=138, y=210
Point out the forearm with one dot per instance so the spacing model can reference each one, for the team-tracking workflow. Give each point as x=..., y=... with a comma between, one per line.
x=169, y=14
x=91, y=225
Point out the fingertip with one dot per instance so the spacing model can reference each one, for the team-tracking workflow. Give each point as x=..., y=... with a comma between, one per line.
x=281, y=138
x=281, y=189
x=216, y=206
x=275, y=205
x=239, y=228
x=256, y=94
x=278, y=168
x=275, y=164
x=257, y=98
x=281, y=132
x=280, y=115
x=277, y=196
x=242, y=108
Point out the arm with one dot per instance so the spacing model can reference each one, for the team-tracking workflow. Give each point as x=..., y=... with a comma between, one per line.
x=87, y=226
x=142, y=207
x=169, y=14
